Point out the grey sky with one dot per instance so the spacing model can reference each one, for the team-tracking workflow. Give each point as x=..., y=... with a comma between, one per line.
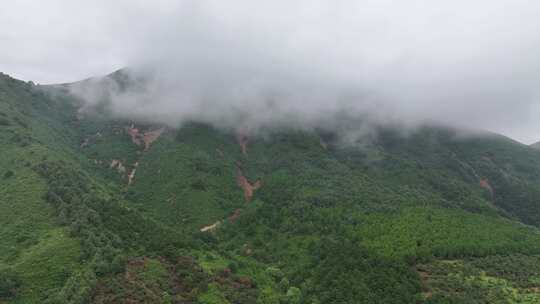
x=467, y=63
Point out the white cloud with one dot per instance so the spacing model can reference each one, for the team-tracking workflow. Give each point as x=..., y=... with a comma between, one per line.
x=466, y=63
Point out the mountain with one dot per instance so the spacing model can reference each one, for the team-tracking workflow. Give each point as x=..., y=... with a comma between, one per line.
x=536, y=145
x=96, y=209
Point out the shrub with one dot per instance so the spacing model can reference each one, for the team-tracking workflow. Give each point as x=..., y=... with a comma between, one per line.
x=4, y=122
x=8, y=174
x=294, y=295
x=8, y=283
x=21, y=122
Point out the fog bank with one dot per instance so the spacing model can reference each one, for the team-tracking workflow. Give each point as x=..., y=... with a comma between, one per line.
x=303, y=63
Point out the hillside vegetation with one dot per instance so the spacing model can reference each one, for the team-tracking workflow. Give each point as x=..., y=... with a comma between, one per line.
x=101, y=210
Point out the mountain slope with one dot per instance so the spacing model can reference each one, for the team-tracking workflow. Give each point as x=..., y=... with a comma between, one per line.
x=143, y=213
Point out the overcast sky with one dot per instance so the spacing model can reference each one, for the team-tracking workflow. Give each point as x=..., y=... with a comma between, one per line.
x=467, y=63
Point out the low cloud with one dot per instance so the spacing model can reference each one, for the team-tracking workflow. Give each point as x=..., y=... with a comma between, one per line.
x=306, y=63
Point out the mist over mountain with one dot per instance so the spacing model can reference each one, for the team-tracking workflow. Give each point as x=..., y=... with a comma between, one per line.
x=465, y=64
x=288, y=152
x=100, y=206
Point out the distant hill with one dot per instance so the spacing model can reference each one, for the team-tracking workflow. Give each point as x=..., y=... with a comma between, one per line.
x=96, y=209
x=536, y=145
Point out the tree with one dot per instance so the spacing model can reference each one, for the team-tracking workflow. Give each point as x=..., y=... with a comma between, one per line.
x=8, y=283
x=284, y=284
x=8, y=174
x=294, y=295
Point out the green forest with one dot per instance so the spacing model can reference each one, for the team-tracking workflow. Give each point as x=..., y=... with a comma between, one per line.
x=97, y=209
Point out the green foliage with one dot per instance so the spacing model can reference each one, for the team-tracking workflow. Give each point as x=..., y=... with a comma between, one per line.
x=77, y=289
x=293, y=296
x=275, y=272
x=512, y=169
x=9, y=281
x=344, y=272
x=153, y=280
x=477, y=281
x=8, y=174
x=74, y=205
x=521, y=270
x=332, y=223
x=188, y=185
x=212, y=296
x=154, y=271
x=46, y=266
x=4, y=122
x=446, y=233
x=40, y=254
